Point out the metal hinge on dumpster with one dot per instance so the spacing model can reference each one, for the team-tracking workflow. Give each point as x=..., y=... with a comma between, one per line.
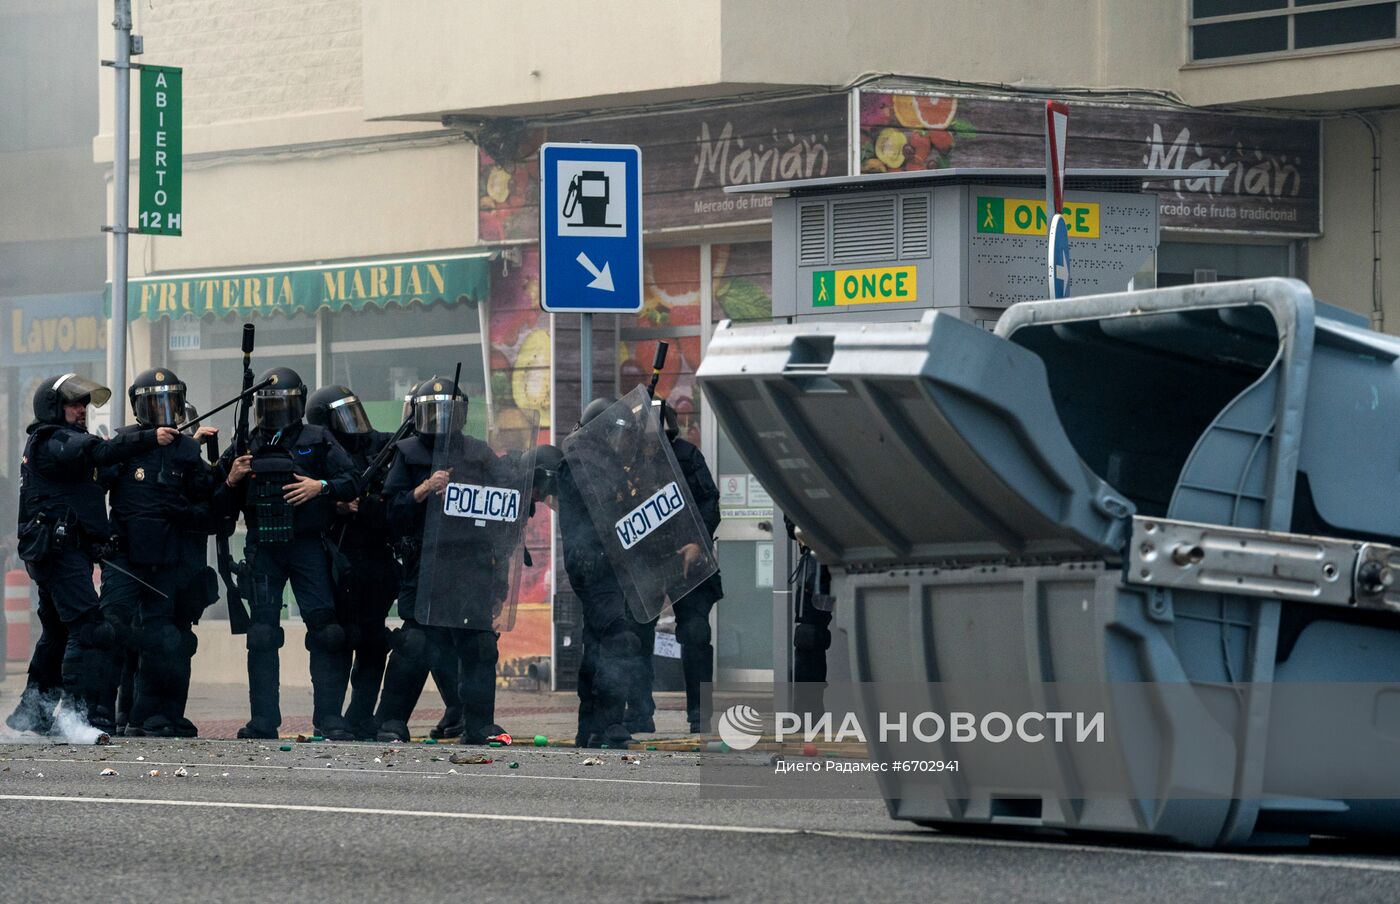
x=1297, y=567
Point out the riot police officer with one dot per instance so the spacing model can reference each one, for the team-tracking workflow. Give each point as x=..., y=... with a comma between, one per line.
x=439, y=413
x=63, y=531
x=156, y=583
x=610, y=640
x=286, y=488
x=366, y=572
x=811, y=636
x=692, y=611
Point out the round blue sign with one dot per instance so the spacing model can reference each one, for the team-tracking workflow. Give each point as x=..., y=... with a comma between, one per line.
x=1058, y=274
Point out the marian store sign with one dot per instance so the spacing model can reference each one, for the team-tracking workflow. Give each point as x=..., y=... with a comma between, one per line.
x=1272, y=181
x=460, y=278
x=688, y=158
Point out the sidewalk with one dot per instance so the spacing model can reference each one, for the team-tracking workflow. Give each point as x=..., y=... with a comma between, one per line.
x=221, y=709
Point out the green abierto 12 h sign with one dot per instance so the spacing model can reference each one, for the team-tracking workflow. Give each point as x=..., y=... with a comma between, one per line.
x=159, y=210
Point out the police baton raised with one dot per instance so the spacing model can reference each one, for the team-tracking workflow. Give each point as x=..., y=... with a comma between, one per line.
x=233, y=401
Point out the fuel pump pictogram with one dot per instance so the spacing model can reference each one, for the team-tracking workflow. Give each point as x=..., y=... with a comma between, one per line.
x=591, y=191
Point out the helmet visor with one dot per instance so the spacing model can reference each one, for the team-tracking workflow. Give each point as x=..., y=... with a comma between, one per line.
x=439, y=414
x=159, y=406
x=274, y=409
x=348, y=416
x=72, y=388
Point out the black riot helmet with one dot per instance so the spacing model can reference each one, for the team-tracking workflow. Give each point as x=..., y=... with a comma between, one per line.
x=546, y=460
x=337, y=409
x=593, y=409
x=282, y=402
x=56, y=392
x=438, y=408
x=157, y=398
x=190, y=413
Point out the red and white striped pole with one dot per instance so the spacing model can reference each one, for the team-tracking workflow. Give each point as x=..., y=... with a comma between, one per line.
x=18, y=640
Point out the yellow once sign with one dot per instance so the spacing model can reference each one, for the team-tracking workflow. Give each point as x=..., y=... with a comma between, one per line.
x=872, y=285
x=1026, y=216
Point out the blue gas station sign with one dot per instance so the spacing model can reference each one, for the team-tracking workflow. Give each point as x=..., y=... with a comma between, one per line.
x=590, y=228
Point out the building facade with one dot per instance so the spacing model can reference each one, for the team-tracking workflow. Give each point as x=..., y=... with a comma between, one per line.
x=361, y=179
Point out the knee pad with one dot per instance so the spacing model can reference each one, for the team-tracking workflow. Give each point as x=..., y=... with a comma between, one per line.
x=329, y=638
x=266, y=637
x=621, y=644
x=811, y=638
x=694, y=631
x=189, y=643
x=411, y=642
x=99, y=633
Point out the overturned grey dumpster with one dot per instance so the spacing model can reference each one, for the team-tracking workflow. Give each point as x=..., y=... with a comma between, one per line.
x=1195, y=490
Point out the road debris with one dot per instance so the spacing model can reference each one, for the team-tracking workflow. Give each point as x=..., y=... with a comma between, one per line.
x=470, y=759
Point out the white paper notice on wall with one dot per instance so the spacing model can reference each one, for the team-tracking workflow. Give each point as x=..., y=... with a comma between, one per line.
x=763, y=564
x=667, y=646
x=733, y=489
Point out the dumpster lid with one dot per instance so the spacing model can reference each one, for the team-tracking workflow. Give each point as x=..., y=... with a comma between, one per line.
x=928, y=442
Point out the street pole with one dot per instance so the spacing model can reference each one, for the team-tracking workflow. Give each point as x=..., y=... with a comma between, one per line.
x=121, y=136
x=585, y=361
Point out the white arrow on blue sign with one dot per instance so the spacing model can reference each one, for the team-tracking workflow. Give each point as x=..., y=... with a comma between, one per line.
x=1058, y=264
x=590, y=228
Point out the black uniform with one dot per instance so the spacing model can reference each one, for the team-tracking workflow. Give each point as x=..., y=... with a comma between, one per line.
x=418, y=647
x=63, y=528
x=811, y=636
x=367, y=580
x=161, y=522
x=692, y=614
x=610, y=642
x=286, y=543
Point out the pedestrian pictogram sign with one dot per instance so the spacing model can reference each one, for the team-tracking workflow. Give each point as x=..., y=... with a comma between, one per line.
x=590, y=228
x=872, y=285
x=1026, y=216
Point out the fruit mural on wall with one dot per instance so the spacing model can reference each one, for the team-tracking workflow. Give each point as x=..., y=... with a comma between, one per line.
x=904, y=132
x=742, y=281
x=670, y=300
x=520, y=391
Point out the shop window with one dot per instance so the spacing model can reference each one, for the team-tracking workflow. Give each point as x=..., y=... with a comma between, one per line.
x=383, y=353
x=1240, y=28
x=273, y=330
x=1184, y=263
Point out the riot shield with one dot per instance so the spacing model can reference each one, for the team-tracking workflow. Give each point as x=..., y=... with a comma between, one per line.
x=473, y=532
x=636, y=495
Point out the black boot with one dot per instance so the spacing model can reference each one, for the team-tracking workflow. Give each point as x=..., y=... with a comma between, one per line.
x=450, y=725
x=34, y=712
x=330, y=670
x=404, y=678
x=263, y=695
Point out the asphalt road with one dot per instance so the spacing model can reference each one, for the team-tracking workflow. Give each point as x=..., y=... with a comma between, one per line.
x=327, y=822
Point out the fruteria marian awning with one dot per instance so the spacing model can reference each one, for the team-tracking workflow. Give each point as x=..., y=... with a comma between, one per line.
x=354, y=285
